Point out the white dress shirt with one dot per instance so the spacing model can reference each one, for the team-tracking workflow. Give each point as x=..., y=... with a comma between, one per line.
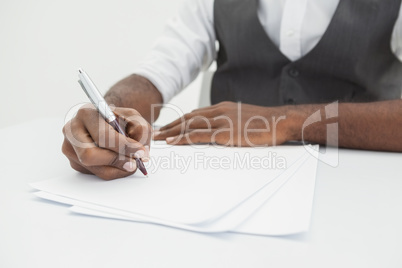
x=188, y=44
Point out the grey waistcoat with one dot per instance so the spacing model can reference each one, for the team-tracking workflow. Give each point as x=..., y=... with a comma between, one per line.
x=353, y=61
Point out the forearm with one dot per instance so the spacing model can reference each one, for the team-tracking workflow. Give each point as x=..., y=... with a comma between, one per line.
x=138, y=93
x=371, y=126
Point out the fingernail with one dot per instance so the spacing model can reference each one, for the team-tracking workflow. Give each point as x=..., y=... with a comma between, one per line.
x=139, y=154
x=170, y=139
x=130, y=166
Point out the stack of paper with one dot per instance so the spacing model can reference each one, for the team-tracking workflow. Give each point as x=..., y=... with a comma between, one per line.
x=265, y=191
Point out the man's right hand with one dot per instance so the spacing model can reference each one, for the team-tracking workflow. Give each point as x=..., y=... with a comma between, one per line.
x=94, y=147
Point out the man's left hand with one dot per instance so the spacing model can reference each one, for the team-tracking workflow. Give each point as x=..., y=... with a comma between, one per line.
x=229, y=124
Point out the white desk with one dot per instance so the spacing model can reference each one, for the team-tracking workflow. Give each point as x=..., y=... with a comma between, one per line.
x=357, y=219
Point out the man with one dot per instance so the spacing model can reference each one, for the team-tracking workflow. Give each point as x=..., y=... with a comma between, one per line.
x=282, y=60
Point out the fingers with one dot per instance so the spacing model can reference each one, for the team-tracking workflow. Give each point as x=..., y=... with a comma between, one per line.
x=93, y=146
x=96, y=156
x=137, y=128
x=103, y=172
x=201, y=114
x=106, y=137
x=194, y=123
x=69, y=152
x=203, y=136
x=193, y=137
x=223, y=137
x=186, y=126
x=172, y=132
x=89, y=122
x=109, y=166
x=215, y=106
x=140, y=131
x=109, y=173
x=211, y=116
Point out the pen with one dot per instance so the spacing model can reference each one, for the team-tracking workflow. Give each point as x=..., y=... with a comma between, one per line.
x=103, y=108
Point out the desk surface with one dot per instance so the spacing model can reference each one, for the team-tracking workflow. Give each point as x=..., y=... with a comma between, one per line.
x=356, y=221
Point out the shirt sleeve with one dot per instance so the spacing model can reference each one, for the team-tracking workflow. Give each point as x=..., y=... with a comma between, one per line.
x=396, y=41
x=186, y=47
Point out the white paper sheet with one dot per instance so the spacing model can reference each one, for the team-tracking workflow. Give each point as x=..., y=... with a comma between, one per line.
x=235, y=204
x=287, y=211
x=226, y=222
x=199, y=194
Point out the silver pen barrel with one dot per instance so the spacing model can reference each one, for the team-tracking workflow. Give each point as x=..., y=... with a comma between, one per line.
x=95, y=96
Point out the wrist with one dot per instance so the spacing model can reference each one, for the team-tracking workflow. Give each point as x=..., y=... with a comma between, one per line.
x=113, y=99
x=292, y=123
x=285, y=124
x=296, y=116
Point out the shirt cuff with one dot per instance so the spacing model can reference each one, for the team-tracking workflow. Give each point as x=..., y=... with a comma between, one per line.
x=163, y=85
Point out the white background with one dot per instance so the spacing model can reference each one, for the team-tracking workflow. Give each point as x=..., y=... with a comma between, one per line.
x=44, y=42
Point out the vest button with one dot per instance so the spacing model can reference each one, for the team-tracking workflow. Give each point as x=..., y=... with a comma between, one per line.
x=294, y=72
x=290, y=101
